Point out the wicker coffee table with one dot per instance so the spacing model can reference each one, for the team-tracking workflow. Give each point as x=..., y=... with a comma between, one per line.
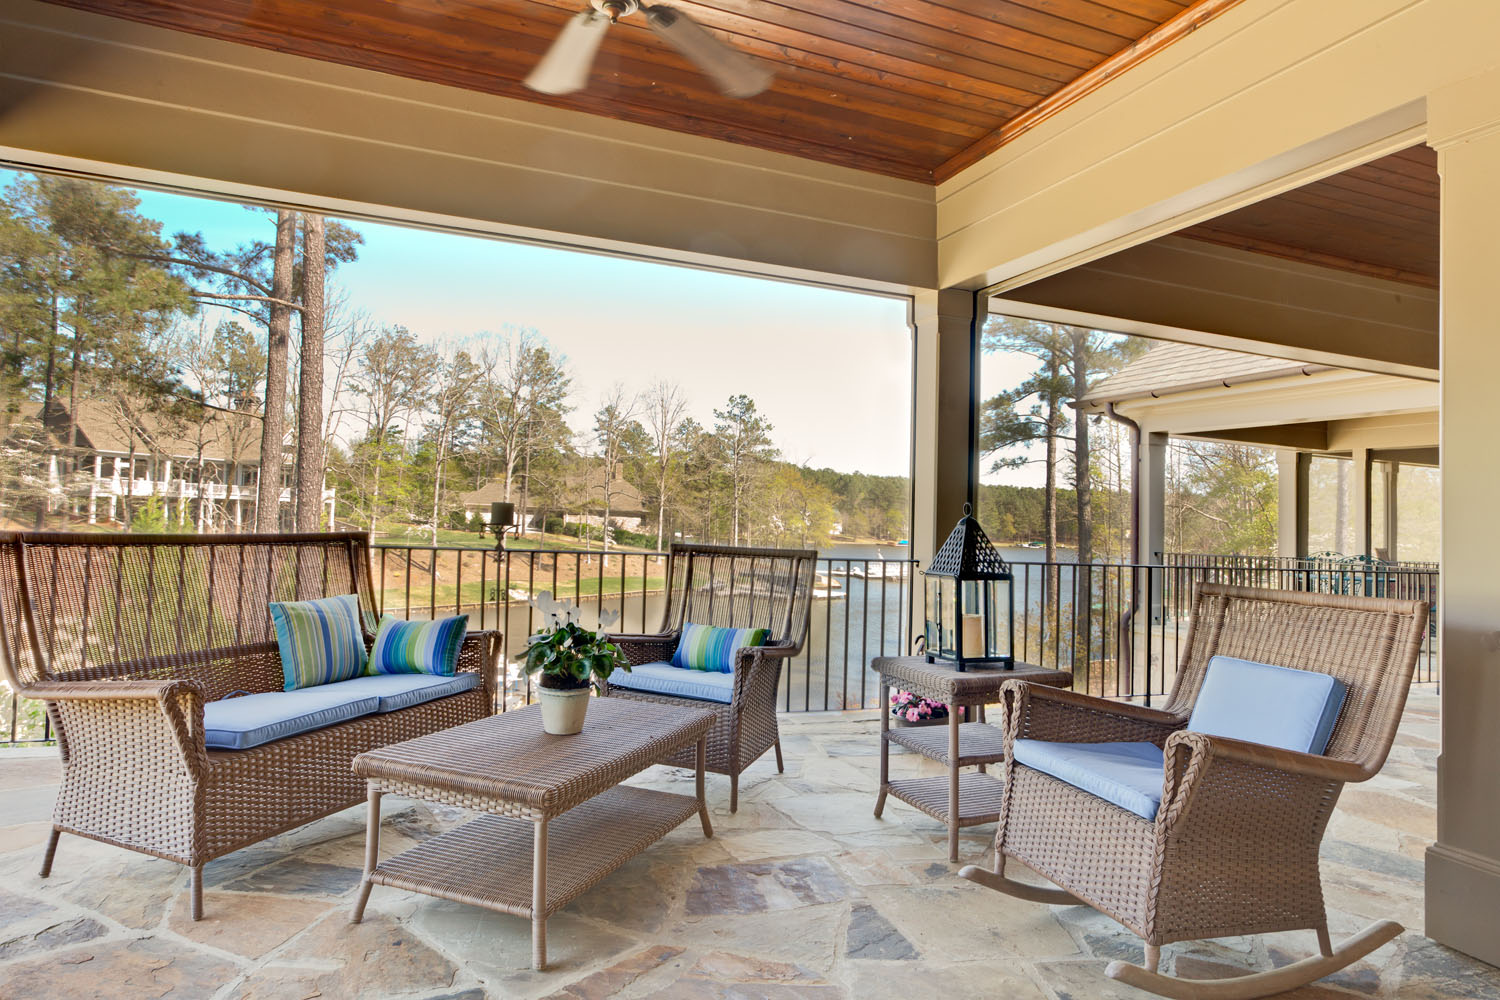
x=557, y=819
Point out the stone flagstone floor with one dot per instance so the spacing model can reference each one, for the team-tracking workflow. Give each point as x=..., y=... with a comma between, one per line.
x=803, y=893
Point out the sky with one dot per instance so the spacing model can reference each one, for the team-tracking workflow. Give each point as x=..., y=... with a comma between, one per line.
x=830, y=369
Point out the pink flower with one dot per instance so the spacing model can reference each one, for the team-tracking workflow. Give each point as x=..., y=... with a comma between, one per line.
x=911, y=715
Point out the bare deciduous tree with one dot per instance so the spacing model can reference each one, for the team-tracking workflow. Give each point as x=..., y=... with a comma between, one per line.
x=452, y=401
x=613, y=422
x=665, y=410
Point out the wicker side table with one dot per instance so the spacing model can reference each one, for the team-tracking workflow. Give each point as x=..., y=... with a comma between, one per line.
x=956, y=799
x=557, y=820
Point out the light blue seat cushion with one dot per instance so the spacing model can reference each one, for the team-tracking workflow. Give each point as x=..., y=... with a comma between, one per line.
x=1274, y=706
x=1127, y=774
x=663, y=678
x=253, y=719
x=397, y=691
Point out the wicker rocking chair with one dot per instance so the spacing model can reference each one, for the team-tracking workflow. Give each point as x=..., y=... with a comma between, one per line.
x=731, y=587
x=1233, y=847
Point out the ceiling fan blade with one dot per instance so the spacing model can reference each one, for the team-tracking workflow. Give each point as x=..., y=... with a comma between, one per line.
x=565, y=67
x=735, y=73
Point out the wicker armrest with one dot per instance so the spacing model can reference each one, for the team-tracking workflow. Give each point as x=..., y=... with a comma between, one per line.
x=1038, y=712
x=112, y=690
x=480, y=653
x=94, y=712
x=757, y=670
x=1254, y=785
x=1308, y=765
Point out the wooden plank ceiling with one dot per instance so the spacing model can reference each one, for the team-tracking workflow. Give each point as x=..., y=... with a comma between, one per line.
x=915, y=89
x=1378, y=219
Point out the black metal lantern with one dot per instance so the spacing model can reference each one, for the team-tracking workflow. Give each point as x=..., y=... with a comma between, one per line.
x=971, y=605
x=502, y=519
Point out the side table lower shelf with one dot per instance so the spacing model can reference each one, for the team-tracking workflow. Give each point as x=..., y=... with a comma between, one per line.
x=978, y=797
x=978, y=743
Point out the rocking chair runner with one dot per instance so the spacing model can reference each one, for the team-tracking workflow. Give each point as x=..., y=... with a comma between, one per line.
x=729, y=587
x=1233, y=848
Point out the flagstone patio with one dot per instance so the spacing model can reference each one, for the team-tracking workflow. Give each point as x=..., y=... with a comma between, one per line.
x=803, y=893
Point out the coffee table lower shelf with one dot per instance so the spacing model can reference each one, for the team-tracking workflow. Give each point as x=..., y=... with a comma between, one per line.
x=978, y=797
x=489, y=861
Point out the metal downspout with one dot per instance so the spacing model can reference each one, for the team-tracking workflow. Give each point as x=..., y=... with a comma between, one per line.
x=1126, y=638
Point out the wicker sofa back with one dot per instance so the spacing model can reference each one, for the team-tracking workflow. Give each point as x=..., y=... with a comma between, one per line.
x=125, y=638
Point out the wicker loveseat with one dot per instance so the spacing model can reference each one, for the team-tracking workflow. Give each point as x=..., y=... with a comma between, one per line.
x=126, y=638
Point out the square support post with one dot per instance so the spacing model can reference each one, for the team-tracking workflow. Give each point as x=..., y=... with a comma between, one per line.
x=945, y=421
x=1463, y=866
x=1293, y=470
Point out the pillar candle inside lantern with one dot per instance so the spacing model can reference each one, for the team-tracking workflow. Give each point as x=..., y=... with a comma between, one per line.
x=973, y=636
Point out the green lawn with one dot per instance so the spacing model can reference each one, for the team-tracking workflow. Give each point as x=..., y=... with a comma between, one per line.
x=446, y=594
x=401, y=535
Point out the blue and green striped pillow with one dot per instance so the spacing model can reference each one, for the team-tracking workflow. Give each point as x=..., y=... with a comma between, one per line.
x=403, y=647
x=321, y=641
x=704, y=647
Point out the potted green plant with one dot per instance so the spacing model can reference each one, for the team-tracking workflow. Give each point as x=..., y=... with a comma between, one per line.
x=570, y=659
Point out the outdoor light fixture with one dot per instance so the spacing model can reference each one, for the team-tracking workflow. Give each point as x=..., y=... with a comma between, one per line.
x=971, y=604
x=502, y=519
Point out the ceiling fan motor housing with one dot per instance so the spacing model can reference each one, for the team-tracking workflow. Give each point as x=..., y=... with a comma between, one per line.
x=616, y=9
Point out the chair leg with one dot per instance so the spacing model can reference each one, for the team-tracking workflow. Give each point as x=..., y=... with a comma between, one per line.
x=1325, y=944
x=780, y=764
x=50, y=852
x=196, y=891
x=734, y=793
x=1153, y=957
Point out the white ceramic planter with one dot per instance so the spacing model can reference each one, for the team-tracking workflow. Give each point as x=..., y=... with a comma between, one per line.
x=563, y=711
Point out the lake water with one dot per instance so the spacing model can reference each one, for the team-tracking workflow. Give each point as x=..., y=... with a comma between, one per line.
x=869, y=616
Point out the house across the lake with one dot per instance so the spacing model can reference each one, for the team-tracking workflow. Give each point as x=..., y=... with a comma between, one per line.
x=202, y=463
x=583, y=501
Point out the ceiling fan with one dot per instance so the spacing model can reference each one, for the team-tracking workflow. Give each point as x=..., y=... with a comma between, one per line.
x=565, y=67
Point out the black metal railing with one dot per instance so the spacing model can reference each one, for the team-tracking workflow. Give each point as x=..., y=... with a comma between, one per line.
x=1117, y=627
x=861, y=609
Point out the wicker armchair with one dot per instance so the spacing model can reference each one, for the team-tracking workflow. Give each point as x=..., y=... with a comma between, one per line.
x=727, y=586
x=126, y=637
x=1233, y=849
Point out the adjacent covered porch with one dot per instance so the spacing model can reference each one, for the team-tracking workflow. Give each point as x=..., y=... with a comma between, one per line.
x=1342, y=439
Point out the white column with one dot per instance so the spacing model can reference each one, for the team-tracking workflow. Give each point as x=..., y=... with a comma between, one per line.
x=941, y=451
x=1463, y=867
x=1151, y=495
x=1293, y=470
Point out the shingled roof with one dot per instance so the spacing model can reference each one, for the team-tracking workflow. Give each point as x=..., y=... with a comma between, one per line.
x=1173, y=368
x=101, y=429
